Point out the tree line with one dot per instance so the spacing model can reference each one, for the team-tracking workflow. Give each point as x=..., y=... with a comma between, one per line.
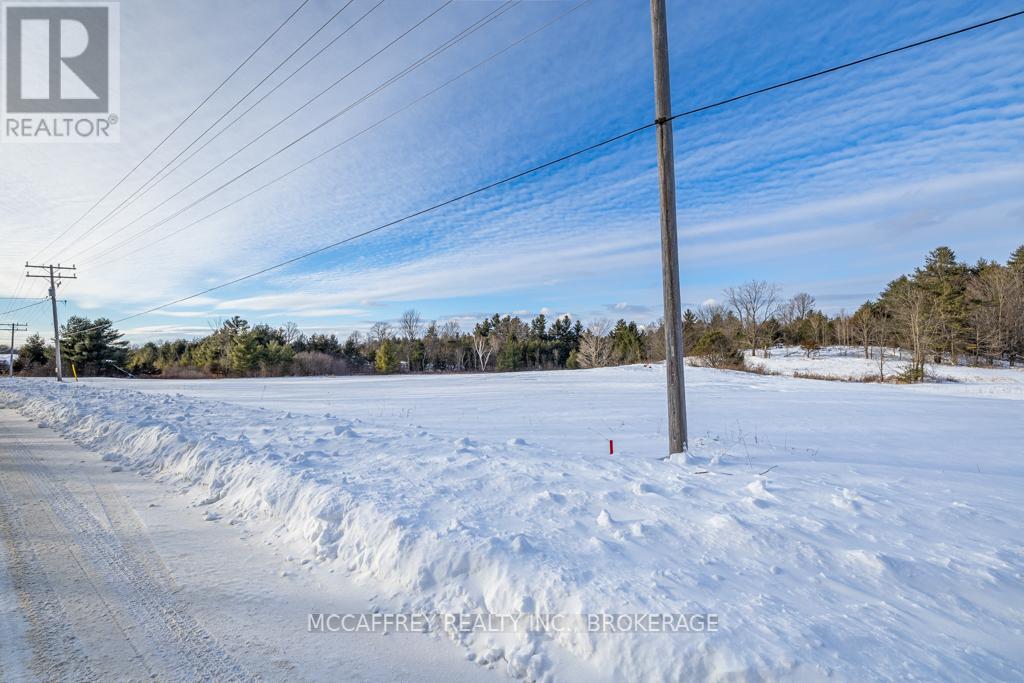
x=236, y=348
x=944, y=312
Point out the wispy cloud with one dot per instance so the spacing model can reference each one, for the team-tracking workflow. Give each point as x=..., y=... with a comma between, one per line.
x=848, y=179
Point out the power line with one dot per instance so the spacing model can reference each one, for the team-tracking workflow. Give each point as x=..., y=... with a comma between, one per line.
x=847, y=65
x=260, y=136
x=173, y=131
x=37, y=318
x=404, y=72
x=270, y=92
x=21, y=283
x=554, y=162
x=146, y=186
x=392, y=223
x=352, y=137
x=685, y=113
x=17, y=290
x=15, y=310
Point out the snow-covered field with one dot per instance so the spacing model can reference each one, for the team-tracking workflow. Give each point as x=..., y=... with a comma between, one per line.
x=852, y=531
x=849, y=363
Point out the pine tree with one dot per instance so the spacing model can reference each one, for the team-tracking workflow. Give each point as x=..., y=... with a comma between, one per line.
x=627, y=342
x=386, y=361
x=244, y=353
x=538, y=345
x=1016, y=262
x=715, y=350
x=352, y=353
x=510, y=357
x=276, y=357
x=92, y=346
x=235, y=325
x=689, y=320
x=944, y=281
x=33, y=352
x=144, y=360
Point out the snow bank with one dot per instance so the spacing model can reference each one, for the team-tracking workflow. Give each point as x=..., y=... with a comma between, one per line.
x=814, y=569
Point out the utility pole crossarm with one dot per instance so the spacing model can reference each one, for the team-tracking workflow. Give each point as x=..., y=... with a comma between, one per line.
x=669, y=241
x=54, y=274
x=14, y=327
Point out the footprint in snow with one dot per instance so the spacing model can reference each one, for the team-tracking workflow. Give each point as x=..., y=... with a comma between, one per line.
x=465, y=445
x=553, y=497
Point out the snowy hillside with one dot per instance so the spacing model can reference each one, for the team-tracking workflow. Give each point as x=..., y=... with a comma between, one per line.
x=852, y=531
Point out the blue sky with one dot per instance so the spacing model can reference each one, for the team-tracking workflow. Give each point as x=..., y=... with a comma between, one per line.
x=832, y=186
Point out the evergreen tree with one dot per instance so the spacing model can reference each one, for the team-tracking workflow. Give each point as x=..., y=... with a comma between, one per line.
x=562, y=340
x=92, y=346
x=244, y=353
x=324, y=343
x=33, y=353
x=275, y=357
x=386, y=361
x=538, y=346
x=1016, y=262
x=627, y=342
x=144, y=360
x=510, y=357
x=715, y=349
x=944, y=280
x=235, y=325
x=690, y=320
x=539, y=327
x=352, y=353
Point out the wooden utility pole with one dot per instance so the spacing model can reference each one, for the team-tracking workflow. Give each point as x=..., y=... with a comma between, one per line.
x=15, y=327
x=55, y=275
x=669, y=241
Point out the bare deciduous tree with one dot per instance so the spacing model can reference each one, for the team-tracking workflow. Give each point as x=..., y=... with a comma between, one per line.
x=379, y=332
x=290, y=332
x=410, y=324
x=595, y=348
x=842, y=325
x=802, y=305
x=916, y=324
x=992, y=293
x=711, y=313
x=484, y=346
x=654, y=342
x=409, y=327
x=798, y=308
x=753, y=302
x=863, y=323
x=1015, y=316
x=451, y=330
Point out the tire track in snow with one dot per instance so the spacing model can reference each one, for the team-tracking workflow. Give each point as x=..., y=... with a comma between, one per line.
x=172, y=639
x=56, y=651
